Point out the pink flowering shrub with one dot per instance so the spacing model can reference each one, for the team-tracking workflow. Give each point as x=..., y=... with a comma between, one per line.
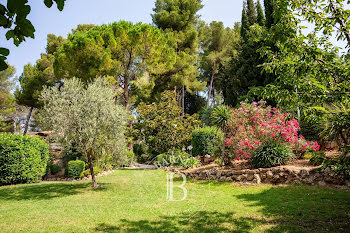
x=255, y=124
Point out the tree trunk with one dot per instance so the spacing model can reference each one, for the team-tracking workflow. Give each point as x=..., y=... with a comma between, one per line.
x=27, y=121
x=94, y=183
x=183, y=100
x=210, y=87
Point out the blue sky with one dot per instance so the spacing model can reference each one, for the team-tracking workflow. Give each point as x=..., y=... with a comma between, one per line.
x=98, y=12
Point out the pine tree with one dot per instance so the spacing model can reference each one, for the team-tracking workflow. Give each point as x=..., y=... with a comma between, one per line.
x=251, y=12
x=178, y=19
x=260, y=14
x=269, y=13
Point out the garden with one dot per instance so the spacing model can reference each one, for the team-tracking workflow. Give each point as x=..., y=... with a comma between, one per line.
x=180, y=125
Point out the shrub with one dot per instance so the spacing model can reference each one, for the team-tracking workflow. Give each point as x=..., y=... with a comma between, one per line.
x=54, y=168
x=23, y=159
x=87, y=172
x=270, y=155
x=317, y=157
x=75, y=168
x=206, y=140
x=252, y=125
x=178, y=159
x=163, y=126
x=339, y=165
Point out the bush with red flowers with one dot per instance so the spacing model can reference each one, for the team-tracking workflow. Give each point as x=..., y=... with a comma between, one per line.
x=252, y=125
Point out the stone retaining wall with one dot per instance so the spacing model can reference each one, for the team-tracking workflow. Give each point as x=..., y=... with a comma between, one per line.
x=276, y=175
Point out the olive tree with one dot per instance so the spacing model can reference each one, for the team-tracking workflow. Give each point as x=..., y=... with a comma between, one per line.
x=86, y=116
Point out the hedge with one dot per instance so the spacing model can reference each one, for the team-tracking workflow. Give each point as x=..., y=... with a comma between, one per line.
x=206, y=140
x=23, y=159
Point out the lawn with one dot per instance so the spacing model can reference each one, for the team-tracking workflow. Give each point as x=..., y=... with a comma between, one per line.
x=135, y=201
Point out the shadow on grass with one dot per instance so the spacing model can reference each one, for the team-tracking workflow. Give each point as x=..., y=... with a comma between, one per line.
x=296, y=208
x=201, y=221
x=300, y=208
x=45, y=191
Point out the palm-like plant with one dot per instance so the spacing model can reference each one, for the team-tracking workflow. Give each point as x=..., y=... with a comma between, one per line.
x=336, y=124
x=220, y=116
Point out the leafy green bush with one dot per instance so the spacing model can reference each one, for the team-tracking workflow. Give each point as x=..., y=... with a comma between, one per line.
x=178, y=159
x=75, y=168
x=87, y=172
x=272, y=154
x=54, y=168
x=206, y=140
x=317, y=157
x=23, y=159
x=339, y=165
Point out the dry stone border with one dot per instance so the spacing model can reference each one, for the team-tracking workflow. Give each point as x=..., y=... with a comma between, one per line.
x=275, y=175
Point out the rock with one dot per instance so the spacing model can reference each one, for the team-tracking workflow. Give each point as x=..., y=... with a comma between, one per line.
x=304, y=172
x=257, y=179
x=269, y=174
x=322, y=183
x=228, y=179
x=250, y=177
x=237, y=172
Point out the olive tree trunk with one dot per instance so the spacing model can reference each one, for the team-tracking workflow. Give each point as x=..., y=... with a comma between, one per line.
x=94, y=183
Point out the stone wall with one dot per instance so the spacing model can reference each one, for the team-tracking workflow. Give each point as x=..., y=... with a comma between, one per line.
x=275, y=175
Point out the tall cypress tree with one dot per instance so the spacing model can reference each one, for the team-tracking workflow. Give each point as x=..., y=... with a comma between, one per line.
x=260, y=14
x=251, y=12
x=269, y=13
x=244, y=24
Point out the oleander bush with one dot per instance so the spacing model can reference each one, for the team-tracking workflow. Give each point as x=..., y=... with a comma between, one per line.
x=206, y=140
x=75, y=168
x=23, y=159
x=270, y=155
x=252, y=125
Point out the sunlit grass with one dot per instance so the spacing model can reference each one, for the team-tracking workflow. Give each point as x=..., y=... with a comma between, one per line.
x=136, y=201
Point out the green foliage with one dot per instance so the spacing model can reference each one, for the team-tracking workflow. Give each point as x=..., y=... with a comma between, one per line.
x=54, y=168
x=206, y=140
x=75, y=168
x=162, y=126
x=244, y=24
x=220, y=116
x=114, y=50
x=87, y=117
x=317, y=157
x=176, y=15
x=251, y=12
x=268, y=4
x=309, y=71
x=178, y=20
x=178, y=159
x=336, y=123
x=216, y=46
x=13, y=18
x=87, y=172
x=260, y=18
x=270, y=155
x=7, y=102
x=23, y=159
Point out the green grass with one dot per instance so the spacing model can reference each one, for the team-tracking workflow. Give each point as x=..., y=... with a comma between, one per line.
x=135, y=201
